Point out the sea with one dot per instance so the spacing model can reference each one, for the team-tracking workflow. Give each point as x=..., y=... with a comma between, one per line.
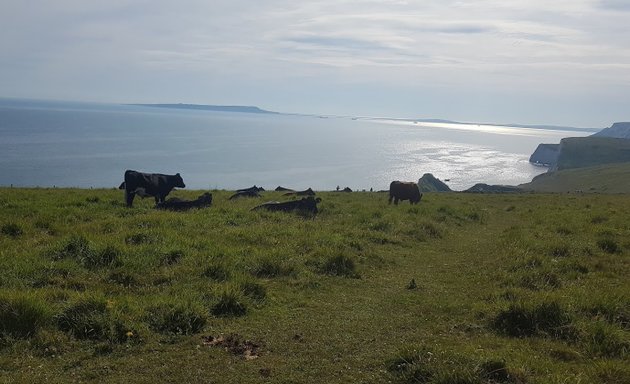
x=90, y=145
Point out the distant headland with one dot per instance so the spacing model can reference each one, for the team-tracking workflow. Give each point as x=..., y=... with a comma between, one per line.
x=216, y=108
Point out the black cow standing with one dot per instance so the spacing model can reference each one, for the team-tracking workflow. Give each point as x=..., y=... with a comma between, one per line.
x=149, y=184
x=404, y=190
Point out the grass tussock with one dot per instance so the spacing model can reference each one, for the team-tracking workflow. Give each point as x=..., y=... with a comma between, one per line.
x=176, y=318
x=338, y=265
x=421, y=365
x=92, y=318
x=12, y=229
x=543, y=319
x=22, y=315
x=229, y=303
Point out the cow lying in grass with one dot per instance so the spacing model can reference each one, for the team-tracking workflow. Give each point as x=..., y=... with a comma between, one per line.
x=305, y=204
x=245, y=193
x=306, y=192
x=176, y=204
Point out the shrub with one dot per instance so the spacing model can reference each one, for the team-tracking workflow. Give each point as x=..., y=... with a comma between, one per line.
x=605, y=340
x=610, y=372
x=267, y=267
x=12, y=229
x=139, y=238
x=92, y=199
x=217, y=272
x=172, y=257
x=560, y=251
x=339, y=265
x=253, y=290
x=124, y=278
x=77, y=247
x=412, y=366
x=494, y=371
x=562, y=230
x=538, y=280
x=179, y=319
x=545, y=319
x=22, y=316
x=107, y=257
x=87, y=319
x=80, y=249
x=431, y=230
x=230, y=303
x=613, y=308
x=608, y=245
x=50, y=343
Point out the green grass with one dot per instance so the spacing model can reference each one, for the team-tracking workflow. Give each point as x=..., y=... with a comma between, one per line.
x=519, y=288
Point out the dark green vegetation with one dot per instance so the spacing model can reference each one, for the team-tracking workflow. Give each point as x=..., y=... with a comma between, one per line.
x=461, y=288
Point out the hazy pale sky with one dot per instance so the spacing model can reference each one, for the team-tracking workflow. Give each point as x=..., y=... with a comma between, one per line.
x=563, y=62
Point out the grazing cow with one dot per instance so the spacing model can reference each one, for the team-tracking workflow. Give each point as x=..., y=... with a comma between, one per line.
x=306, y=192
x=175, y=204
x=401, y=190
x=305, y=204
x=149, y=184
x=245, y=193
x=283, y=189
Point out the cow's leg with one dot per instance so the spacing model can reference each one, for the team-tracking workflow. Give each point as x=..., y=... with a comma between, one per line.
x=390, y=198
x=395, y=200
x=129, y=195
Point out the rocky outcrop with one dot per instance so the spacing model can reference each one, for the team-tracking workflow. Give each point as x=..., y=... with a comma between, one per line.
x=429, y=183
x=617, y=130
x=545, y=154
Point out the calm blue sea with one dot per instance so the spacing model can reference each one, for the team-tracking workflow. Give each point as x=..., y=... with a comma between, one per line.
x=91, y=145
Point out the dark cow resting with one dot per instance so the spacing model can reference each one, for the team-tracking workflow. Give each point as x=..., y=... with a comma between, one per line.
x=280, y=189
x=251, y=189
x=401, y=190
x=305, y=204
x=306, y=192
x=149, y=184
x=175, y=204
x=245, y=193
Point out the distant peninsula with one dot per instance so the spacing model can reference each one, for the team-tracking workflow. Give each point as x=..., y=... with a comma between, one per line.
x=215, y=108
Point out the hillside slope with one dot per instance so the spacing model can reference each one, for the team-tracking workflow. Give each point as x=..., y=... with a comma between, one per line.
x=579, y=152
x=609, y=178
x=618, y=130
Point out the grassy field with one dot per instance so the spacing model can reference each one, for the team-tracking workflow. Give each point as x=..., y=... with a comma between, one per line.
x=461, y=288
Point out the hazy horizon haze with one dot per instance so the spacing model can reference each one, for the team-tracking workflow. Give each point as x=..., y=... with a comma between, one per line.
x=530, y=62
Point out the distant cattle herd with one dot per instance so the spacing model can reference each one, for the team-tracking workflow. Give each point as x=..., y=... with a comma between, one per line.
x=159, y=186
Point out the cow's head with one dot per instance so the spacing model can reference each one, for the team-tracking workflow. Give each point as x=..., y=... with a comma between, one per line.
x=179, y=182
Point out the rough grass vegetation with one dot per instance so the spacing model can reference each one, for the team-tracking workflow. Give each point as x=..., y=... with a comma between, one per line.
x=506, y=289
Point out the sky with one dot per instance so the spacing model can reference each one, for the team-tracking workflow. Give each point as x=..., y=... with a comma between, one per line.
x=562, y=62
